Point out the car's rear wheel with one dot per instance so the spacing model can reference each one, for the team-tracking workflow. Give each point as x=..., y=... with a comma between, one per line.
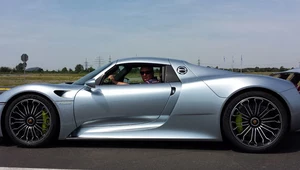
x=255, y=121
x=31, y=121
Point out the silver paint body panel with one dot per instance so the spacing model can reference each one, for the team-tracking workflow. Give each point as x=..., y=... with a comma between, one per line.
x=142, y=111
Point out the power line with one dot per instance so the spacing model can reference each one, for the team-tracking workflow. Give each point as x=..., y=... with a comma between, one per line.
x=99, y=61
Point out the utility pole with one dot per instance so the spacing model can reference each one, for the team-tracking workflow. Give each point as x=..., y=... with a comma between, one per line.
x=99, y=61
x=232, y=64
x=198, y=62
x=241, y=63
x=224, y=59
x=109, y=59
x=86, y=64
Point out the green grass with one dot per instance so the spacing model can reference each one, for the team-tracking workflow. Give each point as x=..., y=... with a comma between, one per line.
x=19, y=79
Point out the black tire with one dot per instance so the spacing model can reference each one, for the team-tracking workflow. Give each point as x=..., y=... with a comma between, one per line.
x=255, y=122
x=31, y=121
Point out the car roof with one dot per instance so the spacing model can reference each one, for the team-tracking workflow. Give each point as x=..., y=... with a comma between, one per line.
x=157, y=60
x=295, y=70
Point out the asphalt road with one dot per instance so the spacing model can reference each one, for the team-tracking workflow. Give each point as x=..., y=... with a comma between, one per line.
x=150, y=155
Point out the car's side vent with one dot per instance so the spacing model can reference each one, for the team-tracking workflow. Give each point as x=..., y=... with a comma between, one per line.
x=59, y=92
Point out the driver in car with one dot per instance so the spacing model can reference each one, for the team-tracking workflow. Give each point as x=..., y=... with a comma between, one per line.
x=147, y=74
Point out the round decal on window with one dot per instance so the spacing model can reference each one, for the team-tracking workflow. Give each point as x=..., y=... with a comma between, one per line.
x=182, y=70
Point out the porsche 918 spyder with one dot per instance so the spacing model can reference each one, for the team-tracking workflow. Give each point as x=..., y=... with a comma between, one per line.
x=292, y=75
x=190, y=102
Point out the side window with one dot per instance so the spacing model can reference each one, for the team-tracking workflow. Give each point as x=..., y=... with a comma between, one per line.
x=118, y=72
x=134, y=75
x=140, y=73
x=284, y=75
x=170, y=75
x=296, y=79
x=158, y=73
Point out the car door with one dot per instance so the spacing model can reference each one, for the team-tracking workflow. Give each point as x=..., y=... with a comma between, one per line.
x=137, y=103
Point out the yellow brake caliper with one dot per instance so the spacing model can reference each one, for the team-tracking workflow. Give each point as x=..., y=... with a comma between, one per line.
x=45, y=122
x=238, y=121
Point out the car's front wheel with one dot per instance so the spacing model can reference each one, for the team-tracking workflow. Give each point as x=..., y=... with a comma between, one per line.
x=31, y=121
x=255, y=121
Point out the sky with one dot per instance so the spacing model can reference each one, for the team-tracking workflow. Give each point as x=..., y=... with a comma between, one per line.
x=64, y=33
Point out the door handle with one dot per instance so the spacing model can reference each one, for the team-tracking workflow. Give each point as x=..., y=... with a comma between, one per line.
x=173, y=90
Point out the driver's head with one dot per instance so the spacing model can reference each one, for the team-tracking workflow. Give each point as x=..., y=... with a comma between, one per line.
x=147, y=73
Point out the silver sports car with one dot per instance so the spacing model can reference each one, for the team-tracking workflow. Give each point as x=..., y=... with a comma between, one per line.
x=292, y=75
x=189, y=102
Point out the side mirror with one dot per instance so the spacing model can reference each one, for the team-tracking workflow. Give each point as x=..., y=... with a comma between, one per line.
x=91, y=83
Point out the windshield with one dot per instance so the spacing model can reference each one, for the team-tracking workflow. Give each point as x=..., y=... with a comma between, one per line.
x=91, y=75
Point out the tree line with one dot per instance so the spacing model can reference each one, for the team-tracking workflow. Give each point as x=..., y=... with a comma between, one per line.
x=258, y=69
x=20, y=68
x=80, y=69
